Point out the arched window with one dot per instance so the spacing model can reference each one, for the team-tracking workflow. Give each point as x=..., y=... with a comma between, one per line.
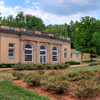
x=55, y=54
x=28, y=53
x=43, y=54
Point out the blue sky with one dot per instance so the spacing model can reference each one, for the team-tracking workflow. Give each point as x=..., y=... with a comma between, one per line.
x=52, y=11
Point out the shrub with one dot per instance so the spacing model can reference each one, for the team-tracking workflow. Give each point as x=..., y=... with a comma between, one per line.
x=73, y=76
x=80, y=75
x=41, y=72
x=85, y=89
x=55, y=66
x=31, y=66
x=73, y=63
x=39, y=66
x=17, y=75
x=6, y=65
x=58, y=86
x=86, y=74
x=63, y=66
x=19, y=67
x=94, y=64
x=33, y=79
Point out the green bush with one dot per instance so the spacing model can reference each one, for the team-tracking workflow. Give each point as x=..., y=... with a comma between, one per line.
x=94, y=64
x=85, y=89
x=17, y=75
x=6, y=65
x=41, y=72
x=33, y=79
x=58, y=86
x=31, y=66
x=72, y=63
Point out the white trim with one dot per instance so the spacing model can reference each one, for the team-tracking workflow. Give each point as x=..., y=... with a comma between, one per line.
x=11, y=48
x=43, y=55
x=28, y=54
x=56, y=54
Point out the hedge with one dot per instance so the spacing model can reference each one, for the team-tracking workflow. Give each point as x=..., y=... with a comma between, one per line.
x=6, y=65
x=31, y=66
x=72, y=63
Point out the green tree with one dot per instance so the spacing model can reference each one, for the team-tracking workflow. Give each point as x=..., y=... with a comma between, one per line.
x=84, y=34
x=23, y=21
x=96, y=41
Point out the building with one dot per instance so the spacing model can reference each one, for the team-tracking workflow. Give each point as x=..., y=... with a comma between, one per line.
x=19, y=45
x=76, y=55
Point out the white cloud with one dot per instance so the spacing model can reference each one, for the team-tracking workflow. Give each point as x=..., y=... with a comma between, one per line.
x=48, y=18
x=69, y=7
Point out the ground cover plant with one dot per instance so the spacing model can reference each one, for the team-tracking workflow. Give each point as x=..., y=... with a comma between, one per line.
x=6, y=65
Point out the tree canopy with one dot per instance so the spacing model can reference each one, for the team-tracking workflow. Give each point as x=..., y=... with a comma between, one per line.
x=86, y=36
x=23, y=21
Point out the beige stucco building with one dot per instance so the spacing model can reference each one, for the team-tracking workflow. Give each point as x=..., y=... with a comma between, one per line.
x=19, y=45
x=75, y=55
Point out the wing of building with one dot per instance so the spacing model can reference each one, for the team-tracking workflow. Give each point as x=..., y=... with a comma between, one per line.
x=19, y=45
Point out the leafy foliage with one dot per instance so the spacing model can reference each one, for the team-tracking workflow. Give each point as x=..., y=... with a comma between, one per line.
x=23, y=21
x=86, y=89
x=31, y=66
x=17, y=75
x=72, y=63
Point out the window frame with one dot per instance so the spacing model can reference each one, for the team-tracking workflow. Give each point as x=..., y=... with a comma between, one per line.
x=65, y=53
x=11, y=48
x=77, y=56
x=28, y=54
x=43, y=55
x=71, y=55
x=54, y=55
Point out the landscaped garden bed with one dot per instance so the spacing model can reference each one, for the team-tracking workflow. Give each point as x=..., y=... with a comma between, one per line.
x=78, y=83
x=82, y=84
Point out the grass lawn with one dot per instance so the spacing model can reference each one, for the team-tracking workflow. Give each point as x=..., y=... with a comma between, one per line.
x=83, y=68
x=10, y=91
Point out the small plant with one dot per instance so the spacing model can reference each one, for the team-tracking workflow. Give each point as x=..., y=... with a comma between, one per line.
x=94, y=64
x=58, y=86
x=17, y=75
x=86, y=89
x=41, y=72
x=33, y=79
